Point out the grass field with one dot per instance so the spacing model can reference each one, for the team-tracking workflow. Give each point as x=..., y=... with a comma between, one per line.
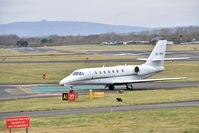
x=179, y=120
x=129, y=98
x=83, y=48
x=33, y=73
x=135, y=47
x=65, y=58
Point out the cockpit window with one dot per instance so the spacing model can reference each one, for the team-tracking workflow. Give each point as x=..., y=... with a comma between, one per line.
x=81, y=73
x=77, y=73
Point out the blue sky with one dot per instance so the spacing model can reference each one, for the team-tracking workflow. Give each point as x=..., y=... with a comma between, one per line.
x=149, y=13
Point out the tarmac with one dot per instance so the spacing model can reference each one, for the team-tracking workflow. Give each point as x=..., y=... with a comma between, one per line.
x=13, y=92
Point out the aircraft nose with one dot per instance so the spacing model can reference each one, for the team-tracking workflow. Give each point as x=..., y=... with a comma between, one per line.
x=65, y=81
x=61, y=82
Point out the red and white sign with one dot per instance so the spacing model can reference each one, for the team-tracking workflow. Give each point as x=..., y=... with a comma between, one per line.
x=18, y=122
x=71, y=96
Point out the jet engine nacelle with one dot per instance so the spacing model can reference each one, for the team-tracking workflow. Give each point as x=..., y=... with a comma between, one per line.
x=144, y=69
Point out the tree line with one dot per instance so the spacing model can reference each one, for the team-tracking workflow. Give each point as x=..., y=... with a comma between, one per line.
x=177, y=35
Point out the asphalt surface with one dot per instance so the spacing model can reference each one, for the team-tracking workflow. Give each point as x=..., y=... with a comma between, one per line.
x=13, y=92
x=193, y=54
x=101, y=109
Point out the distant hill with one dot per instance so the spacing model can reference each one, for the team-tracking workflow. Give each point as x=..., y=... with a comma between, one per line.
x=45, y=28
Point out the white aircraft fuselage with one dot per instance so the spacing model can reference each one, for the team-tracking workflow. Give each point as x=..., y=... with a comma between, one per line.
x=106, y=75
x=122, y=74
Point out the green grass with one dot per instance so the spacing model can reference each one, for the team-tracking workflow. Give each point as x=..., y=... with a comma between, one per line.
x=178, y=120
x=65, y=58
x=94, y=47
x=188, y=69
x=129, y=98
x=135, y=47
x=12, y=52
x=84, y=48
x=33, y=73
x=8, y=52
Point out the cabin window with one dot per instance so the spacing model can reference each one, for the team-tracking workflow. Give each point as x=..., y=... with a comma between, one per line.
x=108, y=71
x=122, y=70
x=113, y=71
x=100, y=72
x=75, y=73
x=104, y=72
x=117, y=71
x=95, y=72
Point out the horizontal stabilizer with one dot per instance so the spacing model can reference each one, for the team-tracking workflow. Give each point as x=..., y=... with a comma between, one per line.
x=142, y=59
x=171, y=59
x=165, y=59
x=147, y=80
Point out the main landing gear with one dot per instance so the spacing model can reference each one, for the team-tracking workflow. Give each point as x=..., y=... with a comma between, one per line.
x=111, y=87
x=129, y=86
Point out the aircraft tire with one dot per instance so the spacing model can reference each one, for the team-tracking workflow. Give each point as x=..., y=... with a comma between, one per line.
x=111, y=87
x=129, y=86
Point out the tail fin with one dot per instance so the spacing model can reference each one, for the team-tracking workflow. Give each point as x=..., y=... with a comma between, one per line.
x=156, y=57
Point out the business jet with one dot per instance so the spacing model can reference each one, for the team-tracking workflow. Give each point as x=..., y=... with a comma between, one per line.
x=123, y=74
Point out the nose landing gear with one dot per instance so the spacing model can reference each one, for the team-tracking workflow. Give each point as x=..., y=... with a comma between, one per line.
x=110, y=87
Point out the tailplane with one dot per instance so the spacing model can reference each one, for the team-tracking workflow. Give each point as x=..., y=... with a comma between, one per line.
x=157, y=56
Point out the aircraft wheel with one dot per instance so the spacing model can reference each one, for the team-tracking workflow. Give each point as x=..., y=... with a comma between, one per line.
x=129, y=86
x=111, y=87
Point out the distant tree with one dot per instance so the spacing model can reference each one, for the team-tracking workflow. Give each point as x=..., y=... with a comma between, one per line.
x=44, y=40
x=7, y=40
x=177, y=34
x=22, y=43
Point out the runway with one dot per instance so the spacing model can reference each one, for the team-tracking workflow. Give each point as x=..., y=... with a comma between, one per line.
x=102, y=109
x=13, y=92
x=192, y=54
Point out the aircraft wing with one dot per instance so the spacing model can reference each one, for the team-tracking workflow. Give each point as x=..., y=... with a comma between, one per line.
x=146, y=80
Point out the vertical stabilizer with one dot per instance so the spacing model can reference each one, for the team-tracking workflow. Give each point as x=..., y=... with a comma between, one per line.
x=156, y=58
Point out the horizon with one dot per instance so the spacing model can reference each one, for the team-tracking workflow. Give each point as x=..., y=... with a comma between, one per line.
x=141, y=13
x=44, y=20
